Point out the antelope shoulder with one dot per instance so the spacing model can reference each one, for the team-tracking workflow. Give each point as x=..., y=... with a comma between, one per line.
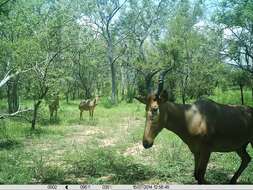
x=196, y=122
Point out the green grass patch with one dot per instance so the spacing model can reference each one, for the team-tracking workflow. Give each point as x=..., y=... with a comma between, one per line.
x=232, y=97
x=104, y=165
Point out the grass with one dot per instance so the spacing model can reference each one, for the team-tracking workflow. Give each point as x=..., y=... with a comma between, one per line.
x=232, y=97
x=105, y=150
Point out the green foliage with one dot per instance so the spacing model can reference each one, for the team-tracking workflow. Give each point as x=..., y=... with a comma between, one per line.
x=240, y=78
x=236, y=18
x=106, y=102
x=187, y=46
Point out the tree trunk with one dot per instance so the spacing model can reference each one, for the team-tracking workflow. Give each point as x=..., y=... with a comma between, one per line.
x=67, y=97
x=1, y=94
x=123, y=84
x=35, y=113
x=184, y=85
x=87, y=93
x=36, y=106
x=73, y=94
x=112, y=68
x=114, y=87
x=242, y=97
x=252, y=93
x=12, y=95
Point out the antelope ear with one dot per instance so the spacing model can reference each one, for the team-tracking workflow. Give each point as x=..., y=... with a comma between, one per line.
x=164, y=96
x=141, y=99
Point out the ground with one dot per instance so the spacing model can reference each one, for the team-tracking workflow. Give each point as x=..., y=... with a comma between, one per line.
x=105, y=150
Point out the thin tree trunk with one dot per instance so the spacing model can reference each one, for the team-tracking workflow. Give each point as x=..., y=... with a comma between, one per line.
x=36, y=106
x=113, y=72
x=184, y=85
x=12, y=95
x=67, y=97
x=123, y=83
x=242, y=96
x=114, y=90
x=73, y=94
x=112, y=67
x=252, y=93
x=87, y=93
x=1, y=94
x=35, y=113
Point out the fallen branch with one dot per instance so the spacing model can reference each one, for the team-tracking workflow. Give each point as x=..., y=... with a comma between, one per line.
x=15, y=114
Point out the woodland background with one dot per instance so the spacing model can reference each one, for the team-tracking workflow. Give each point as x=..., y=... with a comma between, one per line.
x=114, y=49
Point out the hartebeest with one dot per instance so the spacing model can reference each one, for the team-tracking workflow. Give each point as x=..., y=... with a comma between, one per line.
x=54, y=106
x=88, y=105
x=205, y=126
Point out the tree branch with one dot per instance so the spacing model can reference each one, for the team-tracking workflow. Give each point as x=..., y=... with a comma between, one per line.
x=115, y=11
x=15, y=114
x=8, y=76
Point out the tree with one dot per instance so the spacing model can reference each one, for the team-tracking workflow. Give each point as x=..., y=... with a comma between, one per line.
x=104, y=15
x=12, y=35
x=236, y=20
x=241, y=79
x=193, y=51
x=32, y=38
x=145, y=23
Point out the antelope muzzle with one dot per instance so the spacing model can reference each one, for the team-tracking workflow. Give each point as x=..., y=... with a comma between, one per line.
x=146, y=144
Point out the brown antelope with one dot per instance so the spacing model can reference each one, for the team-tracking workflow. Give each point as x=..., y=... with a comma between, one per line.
x=205, y=126
x=88, y=105
x=54, y=106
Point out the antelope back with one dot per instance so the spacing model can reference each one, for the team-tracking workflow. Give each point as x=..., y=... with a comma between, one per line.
x=84, y=105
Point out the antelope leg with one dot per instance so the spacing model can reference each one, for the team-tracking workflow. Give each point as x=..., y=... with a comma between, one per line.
x=244, y=163
x=196, y=164
x=90, y=113
x=202, y=165
x=81, y=115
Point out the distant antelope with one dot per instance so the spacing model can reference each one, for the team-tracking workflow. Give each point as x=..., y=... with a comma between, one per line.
x=54, y=106
x=88, y=105
x=205, y=126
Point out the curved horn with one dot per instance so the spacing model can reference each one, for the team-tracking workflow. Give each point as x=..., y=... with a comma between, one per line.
x=160, y=84
x=161, y=81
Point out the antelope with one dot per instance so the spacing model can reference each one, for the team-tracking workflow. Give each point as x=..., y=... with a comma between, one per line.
x=54, y=106
x=88, y=105
x=204, y=126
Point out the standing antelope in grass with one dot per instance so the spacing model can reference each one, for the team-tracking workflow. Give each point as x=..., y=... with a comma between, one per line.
x=88, y=105
x=54, y=106
x=205, y=126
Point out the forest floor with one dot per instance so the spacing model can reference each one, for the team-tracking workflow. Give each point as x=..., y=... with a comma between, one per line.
x=105, y=150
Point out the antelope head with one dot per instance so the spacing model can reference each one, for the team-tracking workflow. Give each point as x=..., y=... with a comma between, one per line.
x=96, y=100
x=154, y=114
